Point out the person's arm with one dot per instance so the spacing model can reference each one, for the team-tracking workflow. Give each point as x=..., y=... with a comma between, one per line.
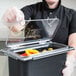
x=72, y=43
x=16, y=17
x=71, y=55
x=72, y=40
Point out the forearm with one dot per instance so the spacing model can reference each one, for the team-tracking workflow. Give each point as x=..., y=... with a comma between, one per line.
x=71, y=56
x=72, y=43
x=72, y=40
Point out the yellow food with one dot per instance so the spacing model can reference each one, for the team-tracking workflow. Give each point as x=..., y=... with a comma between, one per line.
x=31, y=51
x=49, y=49
x=44, y=50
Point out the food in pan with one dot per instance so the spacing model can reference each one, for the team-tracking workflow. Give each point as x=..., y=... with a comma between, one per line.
x=50, y=49
x=24, y=54
x=29, y=52
x=44, y=50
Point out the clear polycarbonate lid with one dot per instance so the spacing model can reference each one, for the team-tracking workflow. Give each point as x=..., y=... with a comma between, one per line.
x=35, y=30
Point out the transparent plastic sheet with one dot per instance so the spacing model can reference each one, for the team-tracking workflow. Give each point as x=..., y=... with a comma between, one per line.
x=38, y=35
x=34, y=29
x=51, y=26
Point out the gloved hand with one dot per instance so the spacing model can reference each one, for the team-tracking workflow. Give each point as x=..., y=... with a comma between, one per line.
x=70, y=63
x=14, y=19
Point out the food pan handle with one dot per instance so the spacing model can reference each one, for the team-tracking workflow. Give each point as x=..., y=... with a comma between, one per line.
x=13, y=55
x=52, y=53
x=3, y=52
